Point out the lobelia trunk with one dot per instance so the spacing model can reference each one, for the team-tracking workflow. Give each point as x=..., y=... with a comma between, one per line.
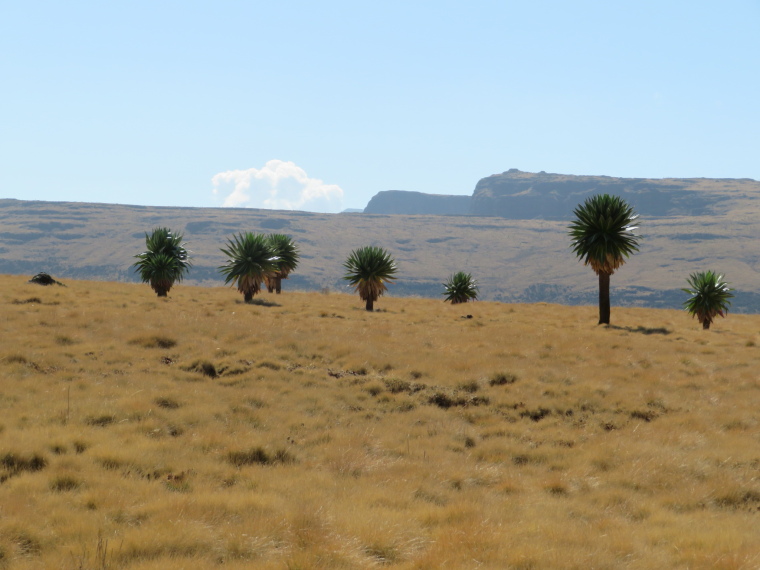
x=370, y=304
x=604, y=298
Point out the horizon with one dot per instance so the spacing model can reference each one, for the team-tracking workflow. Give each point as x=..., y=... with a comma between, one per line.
x=322, y=107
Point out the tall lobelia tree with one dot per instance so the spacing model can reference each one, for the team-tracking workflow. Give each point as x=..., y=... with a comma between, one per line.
x=251, y=260
x=602, y=236
x=708, y=297
x=368, y=269
x=164, y=261
x=286, y=251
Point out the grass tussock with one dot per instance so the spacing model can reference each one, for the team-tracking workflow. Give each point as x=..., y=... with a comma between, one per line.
x=310, y=433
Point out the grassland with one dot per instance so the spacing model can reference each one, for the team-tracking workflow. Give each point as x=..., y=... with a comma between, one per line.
x=304, y=432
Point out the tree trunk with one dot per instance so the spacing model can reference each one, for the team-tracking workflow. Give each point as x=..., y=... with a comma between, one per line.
x=248, y=296
x=604, y=298
x=706, y=324
x=370, y=304
x=278, y=285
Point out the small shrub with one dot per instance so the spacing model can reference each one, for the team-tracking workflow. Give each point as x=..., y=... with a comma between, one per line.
x=501, y=379
x=374, y=389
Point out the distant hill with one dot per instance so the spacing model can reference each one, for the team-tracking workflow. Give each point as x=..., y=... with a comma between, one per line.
x=518, y=195
x=411, y=203
x=513, y=260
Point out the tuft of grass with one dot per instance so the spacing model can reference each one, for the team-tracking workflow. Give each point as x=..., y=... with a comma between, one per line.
x=396, y=385
x=203, y=367
x=470, y=386
x=28, y=301
x=167, y=403
x=64, y=483
x=102, y=420
x=15, y=359
x=154, y=341
x=64, y=340
x=12, y=464
x=501, y=379
x=259, y=456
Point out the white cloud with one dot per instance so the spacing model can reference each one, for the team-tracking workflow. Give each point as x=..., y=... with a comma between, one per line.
x=278, y=185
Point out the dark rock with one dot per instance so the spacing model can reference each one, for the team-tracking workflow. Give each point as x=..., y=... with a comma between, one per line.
x=44, y=279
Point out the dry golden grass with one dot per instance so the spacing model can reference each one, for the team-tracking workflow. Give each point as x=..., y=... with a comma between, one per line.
x=303, y=432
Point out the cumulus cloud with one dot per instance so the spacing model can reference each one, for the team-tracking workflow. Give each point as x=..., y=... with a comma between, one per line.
x=278, y=185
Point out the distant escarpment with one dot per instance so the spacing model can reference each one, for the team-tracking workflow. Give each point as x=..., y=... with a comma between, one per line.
x=525, y=195
x=518, y=195
x=403, y=202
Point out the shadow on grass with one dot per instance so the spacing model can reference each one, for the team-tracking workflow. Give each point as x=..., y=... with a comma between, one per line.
x=642, y=330
x=262, y=303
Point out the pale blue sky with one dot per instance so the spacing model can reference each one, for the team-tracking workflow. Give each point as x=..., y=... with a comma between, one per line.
x=320, y=105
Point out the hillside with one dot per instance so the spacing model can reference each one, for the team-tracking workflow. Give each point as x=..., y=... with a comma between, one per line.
x=518, y=195
x=301, y=431
x=514, y=260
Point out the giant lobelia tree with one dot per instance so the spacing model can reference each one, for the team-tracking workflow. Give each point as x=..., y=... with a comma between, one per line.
x=286, y=251
x=708, y=297
x=368, y=269
x=250, y=261
x=602, y=236
x=164, y=261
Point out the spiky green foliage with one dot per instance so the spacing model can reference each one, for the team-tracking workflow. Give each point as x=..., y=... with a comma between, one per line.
x=164, y=261
x=287, y=254
x=602, y=233
x=709, y=297
x=602, y=236
x=460, y=288
x=368, y=269
x=251, y=260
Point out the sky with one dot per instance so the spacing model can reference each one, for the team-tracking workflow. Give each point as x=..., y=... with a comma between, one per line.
x=318, y=106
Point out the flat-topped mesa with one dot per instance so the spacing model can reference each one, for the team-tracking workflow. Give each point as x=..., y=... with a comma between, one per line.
x=404, y=202
x=525, y=195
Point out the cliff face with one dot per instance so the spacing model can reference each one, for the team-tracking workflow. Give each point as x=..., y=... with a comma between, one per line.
x=403, y=202
x=525, y=195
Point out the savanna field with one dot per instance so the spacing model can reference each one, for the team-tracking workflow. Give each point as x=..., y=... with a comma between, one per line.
x=301, y=431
